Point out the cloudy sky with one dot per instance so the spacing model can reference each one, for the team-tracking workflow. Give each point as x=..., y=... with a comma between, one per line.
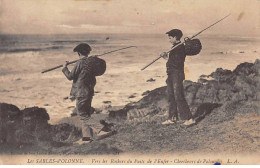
x=127, y=16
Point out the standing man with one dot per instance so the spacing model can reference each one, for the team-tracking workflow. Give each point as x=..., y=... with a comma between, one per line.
x=82, y=88
x=178, y=107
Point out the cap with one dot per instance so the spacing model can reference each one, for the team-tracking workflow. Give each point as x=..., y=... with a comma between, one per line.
x=82, y=48
x=175, y=32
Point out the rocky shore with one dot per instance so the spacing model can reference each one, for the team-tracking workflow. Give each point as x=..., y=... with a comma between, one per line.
x=220, y=102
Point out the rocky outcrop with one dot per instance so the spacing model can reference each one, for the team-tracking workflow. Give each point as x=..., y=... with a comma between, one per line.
x=228, y=91
x=30, y=126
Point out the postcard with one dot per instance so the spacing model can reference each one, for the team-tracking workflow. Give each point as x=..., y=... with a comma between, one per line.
x=129, y=82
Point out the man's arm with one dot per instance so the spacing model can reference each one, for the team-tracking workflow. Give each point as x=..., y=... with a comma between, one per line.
x=74, y=72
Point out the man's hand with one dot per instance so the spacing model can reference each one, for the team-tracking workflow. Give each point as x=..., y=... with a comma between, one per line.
x=65, y=64
x=164, y=55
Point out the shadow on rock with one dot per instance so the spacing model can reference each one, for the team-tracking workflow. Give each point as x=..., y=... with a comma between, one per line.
x=203, y=110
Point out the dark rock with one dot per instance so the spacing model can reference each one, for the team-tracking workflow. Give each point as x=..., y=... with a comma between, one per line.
x=65, y=132
x=10, y=121
x=107, y=102
x=240, y=85
x=35, y=124
x=146, y=93
x=256, y=67
x=150, y=80
x=244, y=69
x=132, y=96
x=203, y=110
x=246, y=86
x=222, y=75
x=190, y=91
x=118, y=114
x=36, y=114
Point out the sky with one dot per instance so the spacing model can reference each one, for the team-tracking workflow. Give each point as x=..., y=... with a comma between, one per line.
x=128, y=16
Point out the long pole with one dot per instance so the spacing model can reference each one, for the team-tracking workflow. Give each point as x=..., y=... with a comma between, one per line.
x=184, y=41
x=59, y=66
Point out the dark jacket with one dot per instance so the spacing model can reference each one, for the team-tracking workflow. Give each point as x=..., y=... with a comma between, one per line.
x=83, y=82
x=176, y=60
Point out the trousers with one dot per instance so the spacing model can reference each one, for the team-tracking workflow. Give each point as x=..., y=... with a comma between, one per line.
x=83, y=106
x=178, y=106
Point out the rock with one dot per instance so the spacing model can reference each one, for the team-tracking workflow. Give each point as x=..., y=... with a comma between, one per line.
x=244, y=69
x=245, y=85
x=65, y=132
x=222, y=75
x=203, y=110
x=150, y=80
x=224, y=87
x=256, y=67
x=10, y=121
x=132, y=96
x=190, y=91
x=146, y=93
x=107, y=102
x=35, y=125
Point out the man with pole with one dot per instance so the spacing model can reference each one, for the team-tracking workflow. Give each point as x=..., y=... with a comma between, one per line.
x=175, y=71
x=82, y=89
x=84, y=80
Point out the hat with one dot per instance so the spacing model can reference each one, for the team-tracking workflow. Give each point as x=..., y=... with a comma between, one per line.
x=175, y=32
x=82, y=48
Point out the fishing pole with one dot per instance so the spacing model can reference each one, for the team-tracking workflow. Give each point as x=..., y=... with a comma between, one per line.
x=71, y=62
x=184, y=42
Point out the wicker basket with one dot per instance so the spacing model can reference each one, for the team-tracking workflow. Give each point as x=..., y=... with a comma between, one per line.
x=192, y=47
x=96, y=66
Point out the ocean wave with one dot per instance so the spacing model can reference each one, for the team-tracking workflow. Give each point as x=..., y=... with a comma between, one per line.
x=234, y=52
x=16, y=50
x=74, y=41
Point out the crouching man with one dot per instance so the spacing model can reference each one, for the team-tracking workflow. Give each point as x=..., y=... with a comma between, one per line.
x=82, y=89
x=178, y=106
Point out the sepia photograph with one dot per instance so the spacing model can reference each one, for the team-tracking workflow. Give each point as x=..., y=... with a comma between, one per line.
x=129, y=82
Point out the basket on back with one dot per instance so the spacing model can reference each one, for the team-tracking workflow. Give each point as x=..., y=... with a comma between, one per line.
x=192, y=47
x=96, y=66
